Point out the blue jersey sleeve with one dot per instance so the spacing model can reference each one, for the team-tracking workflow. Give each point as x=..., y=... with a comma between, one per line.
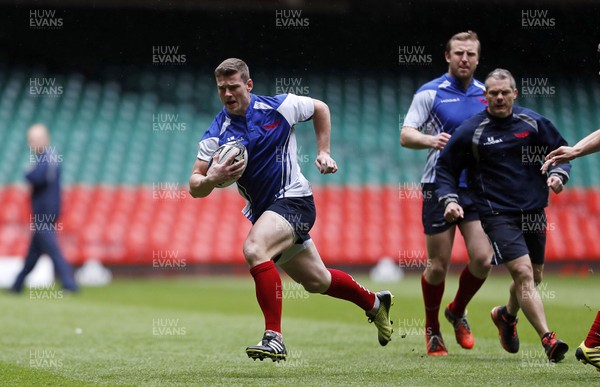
x=209, y=142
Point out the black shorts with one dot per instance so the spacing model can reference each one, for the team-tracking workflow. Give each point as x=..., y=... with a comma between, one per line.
x=433, y=210
x=300, y=213
x=514, y=235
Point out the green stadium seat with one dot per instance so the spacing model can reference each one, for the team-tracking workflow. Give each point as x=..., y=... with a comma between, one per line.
x=108, y=122
x=103, y=127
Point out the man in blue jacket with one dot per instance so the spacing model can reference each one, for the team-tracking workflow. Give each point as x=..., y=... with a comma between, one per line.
x=502, y=149
x=44, y=178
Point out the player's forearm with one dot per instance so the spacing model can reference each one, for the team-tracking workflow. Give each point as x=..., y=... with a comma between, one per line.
x=413, y=139
x=588, y=144
x=322, y=123
x=201, y=186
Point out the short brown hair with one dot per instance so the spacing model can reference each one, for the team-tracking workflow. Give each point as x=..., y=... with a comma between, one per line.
x=501, y=74
x=463, y=36
x=232, y=66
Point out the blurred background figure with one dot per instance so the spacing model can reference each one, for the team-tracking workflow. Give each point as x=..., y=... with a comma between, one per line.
x=44, y=178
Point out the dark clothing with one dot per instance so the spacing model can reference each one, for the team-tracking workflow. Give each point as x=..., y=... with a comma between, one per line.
x=433, y=211
x=44, y=242
x=503, y=157
x=515, y=235
x=300, y=213
x=44, y=178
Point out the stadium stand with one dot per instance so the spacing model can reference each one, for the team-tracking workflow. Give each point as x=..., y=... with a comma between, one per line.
x=128, y=143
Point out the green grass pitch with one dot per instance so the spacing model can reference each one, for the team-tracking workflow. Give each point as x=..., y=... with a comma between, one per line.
x=193, y=331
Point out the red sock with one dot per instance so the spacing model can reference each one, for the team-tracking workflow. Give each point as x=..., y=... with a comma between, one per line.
x=468, y=285
x=345, y=287
x=268, y=293
x=593, y=338
x=432, y=295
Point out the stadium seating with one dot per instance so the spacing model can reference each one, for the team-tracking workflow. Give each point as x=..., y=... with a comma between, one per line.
x=126, y=197
x=355, y=224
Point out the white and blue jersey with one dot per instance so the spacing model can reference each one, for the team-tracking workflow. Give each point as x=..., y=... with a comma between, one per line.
x=441, y=106
x=267, y=132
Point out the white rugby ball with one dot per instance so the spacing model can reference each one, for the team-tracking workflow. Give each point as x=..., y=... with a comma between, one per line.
x=224, y=152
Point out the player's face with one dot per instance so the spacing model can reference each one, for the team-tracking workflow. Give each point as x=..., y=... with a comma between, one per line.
x=462, y=59
x=234, y=93
x=37, y=138
x=500, y=97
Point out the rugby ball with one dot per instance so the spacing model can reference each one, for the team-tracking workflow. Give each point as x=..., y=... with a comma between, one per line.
x=224, y=152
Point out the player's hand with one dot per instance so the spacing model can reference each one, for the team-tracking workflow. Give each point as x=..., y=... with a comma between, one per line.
x=439, y=141
x=555, y=183
x=325, y=163
x=224, y=171
x=453, y=212
x=559, y=156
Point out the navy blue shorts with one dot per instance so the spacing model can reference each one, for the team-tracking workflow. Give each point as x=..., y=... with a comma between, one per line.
x=300, y=213
x=433, y=210
x=515, y=235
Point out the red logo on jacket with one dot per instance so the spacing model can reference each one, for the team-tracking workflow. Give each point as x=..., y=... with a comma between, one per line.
x=522, y=135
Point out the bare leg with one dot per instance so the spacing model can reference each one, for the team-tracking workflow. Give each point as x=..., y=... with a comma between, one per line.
x=526, y=294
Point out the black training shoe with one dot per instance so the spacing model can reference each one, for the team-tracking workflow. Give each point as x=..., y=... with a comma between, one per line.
x=555, y=348
x=382, y=318
x=270, y=347
x=507, y=330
